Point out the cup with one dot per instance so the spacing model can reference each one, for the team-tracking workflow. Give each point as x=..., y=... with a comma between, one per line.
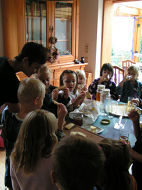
x=124, y=136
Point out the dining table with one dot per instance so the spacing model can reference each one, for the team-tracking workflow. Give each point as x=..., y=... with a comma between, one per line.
x=107, y=130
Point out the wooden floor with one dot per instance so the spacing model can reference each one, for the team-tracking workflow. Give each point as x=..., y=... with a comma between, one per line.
x=2, y=169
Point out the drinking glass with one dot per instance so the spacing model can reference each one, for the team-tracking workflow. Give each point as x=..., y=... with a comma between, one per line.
x=124, y=136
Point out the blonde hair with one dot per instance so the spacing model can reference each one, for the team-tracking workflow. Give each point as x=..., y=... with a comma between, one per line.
x=135, y=69
x=29, y=89
x=82, y=74
x=43, y=69
x=36, y=140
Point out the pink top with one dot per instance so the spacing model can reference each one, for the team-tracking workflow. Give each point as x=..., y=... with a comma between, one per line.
x=40, y=179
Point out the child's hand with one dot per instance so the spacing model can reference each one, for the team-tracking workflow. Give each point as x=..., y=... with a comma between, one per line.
x=134, y=116
x=79, y=99
x=136, y=101
x=102, y=79
x=66, y=93
x=55, y=93
x=61, y=113
x=84, y=89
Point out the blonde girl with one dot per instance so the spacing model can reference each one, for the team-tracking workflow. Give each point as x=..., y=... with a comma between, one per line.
x=30, y=159
x=131, y=87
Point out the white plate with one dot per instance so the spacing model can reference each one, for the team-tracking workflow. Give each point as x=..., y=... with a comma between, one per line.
x=97, y=131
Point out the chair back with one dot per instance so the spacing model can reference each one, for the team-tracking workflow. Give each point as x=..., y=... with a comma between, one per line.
x=118, y=74
x=20, y=75
x=126, y=64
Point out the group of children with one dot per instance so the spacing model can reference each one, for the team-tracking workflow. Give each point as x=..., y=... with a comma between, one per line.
x=30, y=136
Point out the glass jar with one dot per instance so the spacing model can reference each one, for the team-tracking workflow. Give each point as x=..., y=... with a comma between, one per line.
x=105, y=95
x=100, y=88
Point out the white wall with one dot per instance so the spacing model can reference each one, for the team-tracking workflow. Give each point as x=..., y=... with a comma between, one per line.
x=1, y=35
x=90, y=31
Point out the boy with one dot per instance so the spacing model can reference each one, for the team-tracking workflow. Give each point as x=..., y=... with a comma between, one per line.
x=31, y=93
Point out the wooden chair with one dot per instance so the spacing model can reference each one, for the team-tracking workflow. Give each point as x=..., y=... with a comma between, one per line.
x=126, y=64
x=118, y=74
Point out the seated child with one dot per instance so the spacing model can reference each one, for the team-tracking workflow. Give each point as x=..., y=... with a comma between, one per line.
x=106, y=74
x=131, y=87
x=136, y=151
x=68, y=79
x=116, y=166
x=77, y=163
x=31, y=93
x=81, y=80
x=44, y=74
x=31, y=156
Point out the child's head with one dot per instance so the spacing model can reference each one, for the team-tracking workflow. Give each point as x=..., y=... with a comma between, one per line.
x=44, y=74
x=116, y=164
x=77, y=162
x=81, y=77
x=68, y=79
x=31, y=91
x=133, y=72
x=36, y=139
x=106, y=70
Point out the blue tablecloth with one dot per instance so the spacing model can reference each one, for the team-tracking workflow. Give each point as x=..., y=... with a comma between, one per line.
x=111, y=132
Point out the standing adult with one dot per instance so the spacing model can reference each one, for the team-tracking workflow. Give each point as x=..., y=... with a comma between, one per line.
x=29, y=60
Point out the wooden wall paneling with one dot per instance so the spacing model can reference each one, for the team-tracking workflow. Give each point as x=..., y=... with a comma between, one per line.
x=21, y=27
x=9, y=15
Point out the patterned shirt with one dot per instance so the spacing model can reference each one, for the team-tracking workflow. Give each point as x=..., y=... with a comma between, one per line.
x=108, y=84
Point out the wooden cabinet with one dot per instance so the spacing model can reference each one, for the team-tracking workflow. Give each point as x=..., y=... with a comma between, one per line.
x=57, y=69
x=30, y=20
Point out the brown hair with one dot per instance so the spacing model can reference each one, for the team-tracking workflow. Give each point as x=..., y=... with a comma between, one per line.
x=77, y=162
x=116, y=174
x=35, y=140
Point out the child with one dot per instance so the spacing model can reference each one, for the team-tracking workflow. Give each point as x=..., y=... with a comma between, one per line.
x=116, y=166
x=31, y=156
x=31, y=93
x=69, y=79
x=81, y=80
x=132, y=87
x=106, y=74
x=44, y=74
x=136, y=151
x=77, y=163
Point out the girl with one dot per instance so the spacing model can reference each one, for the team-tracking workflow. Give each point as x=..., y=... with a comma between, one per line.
x=106, y=74
x=131, y=87
x=31, y=157
x=69, y=79
x=81, y=80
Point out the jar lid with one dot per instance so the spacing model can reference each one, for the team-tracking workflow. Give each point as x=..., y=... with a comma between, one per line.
x=101, y=87
x=106, y=91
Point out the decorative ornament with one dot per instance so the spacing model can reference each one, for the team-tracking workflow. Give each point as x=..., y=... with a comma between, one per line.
x=52, y=50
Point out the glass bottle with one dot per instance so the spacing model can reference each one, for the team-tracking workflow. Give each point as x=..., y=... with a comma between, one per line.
x=100, y=88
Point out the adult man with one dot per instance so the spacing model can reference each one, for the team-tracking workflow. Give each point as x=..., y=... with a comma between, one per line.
x=31, y=57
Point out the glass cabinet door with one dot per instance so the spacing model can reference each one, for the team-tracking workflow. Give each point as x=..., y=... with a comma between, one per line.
x=49, y=18
x=36, y=21
x=63, y=27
